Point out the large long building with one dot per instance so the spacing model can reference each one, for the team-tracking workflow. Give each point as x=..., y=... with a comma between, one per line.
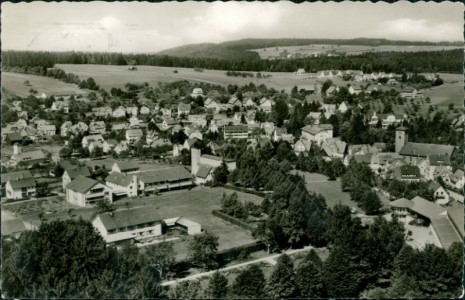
x=140, y=225
x=447, y=224
x=131, y=185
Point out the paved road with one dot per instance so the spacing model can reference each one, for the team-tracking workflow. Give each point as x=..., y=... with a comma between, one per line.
x=269, y=259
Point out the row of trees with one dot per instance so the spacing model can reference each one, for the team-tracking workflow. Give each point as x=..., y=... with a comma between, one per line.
x=69, y=259
x=431, y=61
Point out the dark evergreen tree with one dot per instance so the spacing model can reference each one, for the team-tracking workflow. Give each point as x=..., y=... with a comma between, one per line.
x=282, y=281
x=250, y=283
x=218, y=286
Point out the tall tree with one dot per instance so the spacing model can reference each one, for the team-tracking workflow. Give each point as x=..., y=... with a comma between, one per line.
x=185, y=290
x=309, y=277
x=202, y=250
x=161, y=257
x=250, y=283
x=220, y=174
x=218, y=286
x=282, y=281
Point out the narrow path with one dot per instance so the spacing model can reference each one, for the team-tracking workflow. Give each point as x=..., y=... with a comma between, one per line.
x=269, y=259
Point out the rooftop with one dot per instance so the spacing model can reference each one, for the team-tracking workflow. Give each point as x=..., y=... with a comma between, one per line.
x=163, y=175
x=119, y=179
x=315, y=129
x=129, y=217
x=12, y=226
x=424, y=150
x=203, y=171
x=22, y=183
x=81, y=184
x=78, y=171
x=15, y=175
x=127, y=165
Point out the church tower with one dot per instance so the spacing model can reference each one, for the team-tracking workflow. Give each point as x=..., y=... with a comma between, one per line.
x=401, y=138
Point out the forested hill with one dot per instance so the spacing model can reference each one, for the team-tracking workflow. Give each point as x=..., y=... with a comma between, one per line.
x=214, y=51
x=247, y=44
x=238, y=50
x=449, y=61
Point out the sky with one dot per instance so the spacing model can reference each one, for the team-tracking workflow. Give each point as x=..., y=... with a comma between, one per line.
x=152, y=27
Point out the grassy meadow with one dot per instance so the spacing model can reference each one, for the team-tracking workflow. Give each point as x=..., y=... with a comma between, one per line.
x=14, y=83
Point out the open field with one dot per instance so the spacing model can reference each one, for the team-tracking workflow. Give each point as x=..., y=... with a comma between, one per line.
x=14, y=83
x=348, y=49
x=450, y=92
x=331, y=190
x=195, y=205
x=117, y=76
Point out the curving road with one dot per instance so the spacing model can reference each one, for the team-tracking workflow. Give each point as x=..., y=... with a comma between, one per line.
x=269, y=259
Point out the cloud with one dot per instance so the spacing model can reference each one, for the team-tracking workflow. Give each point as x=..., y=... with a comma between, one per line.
x=225, y=20
x=111, y=23
x=420, y=29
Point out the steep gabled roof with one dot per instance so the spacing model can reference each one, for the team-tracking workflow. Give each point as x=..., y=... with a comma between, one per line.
x=162, y=175
x=15, y=175
x=129, y=217
x=22, y=183
x=203, y=171
x=315, y=129
x=119, y=179
x=78, y=171
x=127, y=165
x=81, y=184
x=424, y=150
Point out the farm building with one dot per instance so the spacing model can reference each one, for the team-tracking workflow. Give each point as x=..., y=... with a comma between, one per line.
x=29, y=157
x=125, y=167
x=408, y=173
x=91, y=138
x=20, y=188
x=202, y=166
x=317, y=133
x=72, y=173
x=83, y=191
x=236, y=132
x=13, y=176
x=446, y=224
x=164, y=179
x=186, y=225
x=137, y=224
x=122, y=185
x=133, y=135
x=197, y=92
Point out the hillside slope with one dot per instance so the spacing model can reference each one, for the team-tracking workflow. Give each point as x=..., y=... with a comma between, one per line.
x=215, y=51
x=237, y=50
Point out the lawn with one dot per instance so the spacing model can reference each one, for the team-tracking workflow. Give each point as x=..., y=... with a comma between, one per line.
x=117, y=76
x=14, y=83
x=451, y=92
x=331, y=190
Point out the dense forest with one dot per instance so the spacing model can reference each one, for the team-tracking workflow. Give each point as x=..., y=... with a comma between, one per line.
x=398, y=62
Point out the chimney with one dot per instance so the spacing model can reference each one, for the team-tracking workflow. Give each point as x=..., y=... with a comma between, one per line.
x=16, y=149
x=195, y=158
x=135, y=185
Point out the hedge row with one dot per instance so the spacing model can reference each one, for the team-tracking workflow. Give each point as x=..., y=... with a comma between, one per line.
x=235, y=252
x=232, y=220
x=244, y=190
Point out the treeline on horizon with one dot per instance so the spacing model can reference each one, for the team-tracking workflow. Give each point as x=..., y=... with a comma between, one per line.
x=449, y=61
x=247, y=44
